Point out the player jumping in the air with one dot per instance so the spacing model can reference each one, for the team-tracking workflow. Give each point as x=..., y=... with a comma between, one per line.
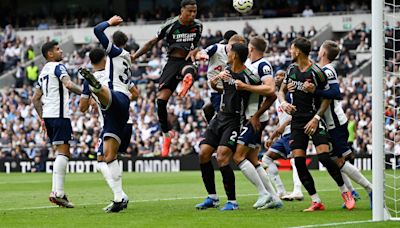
x=182, y=34
x=114, y=100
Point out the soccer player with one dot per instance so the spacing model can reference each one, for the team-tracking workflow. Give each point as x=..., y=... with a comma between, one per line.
x=337, y=121
x=98, y=59
x=222, y=132
x=51, y=101
x=306, y=110
x=114, y=100
x=281, y=149
x=182, y=34
x=217, y=56
x=249, y=141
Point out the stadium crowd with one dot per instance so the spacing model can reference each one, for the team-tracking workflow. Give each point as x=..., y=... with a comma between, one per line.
x=20, y=129
x=81, y=17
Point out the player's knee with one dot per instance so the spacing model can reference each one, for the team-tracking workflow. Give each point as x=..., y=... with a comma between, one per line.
x=223, y=158
x=237, y=158
x=204, y=156
x=189, y=69
x=340, y=162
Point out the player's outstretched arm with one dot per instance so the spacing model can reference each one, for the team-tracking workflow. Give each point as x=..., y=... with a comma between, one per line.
x=66, y=80
x=266, y=89
x=146, y=47
x=111, y=49
x=332, y=93
x=37, y=102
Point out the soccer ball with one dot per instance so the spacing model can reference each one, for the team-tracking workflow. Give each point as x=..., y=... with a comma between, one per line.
x=243, y=6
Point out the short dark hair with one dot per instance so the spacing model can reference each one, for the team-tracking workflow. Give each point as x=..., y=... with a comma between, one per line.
x=259, y=43
x=332, y=49
x=119, y=38
x=48, y=46
x=188, y=2
x=241, y=50
x=96, y=55
x=303, y=44
x=228, y=34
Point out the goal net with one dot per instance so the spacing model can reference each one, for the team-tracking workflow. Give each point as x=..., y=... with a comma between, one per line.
x=391, y=101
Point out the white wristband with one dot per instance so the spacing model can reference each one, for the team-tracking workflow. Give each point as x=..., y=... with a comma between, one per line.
x=317, y=117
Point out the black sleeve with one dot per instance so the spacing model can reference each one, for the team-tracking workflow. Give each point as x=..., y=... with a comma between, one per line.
x=162, y=32
x=196, y=41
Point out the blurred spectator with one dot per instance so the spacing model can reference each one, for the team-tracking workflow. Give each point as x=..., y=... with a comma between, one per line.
x=308, y=12
x=19, y=75
x=32, y=73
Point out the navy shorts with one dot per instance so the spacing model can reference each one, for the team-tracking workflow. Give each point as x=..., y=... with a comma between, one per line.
x=249, y=137
x=282, y=147
x=59, y=130
x=126, y=140
x=116, y=116
x=215, y=101
x=339, y=136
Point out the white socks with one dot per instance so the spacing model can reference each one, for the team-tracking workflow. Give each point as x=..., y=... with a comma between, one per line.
x=267, y=184
x=103, y=168
x=59, y=170
x=354, y=174
x=274, y=174
x=315, y=198
x=296, y=179
x=116, y=185
x=249, y=171
x=343, y=188
x=213, y=196
x=347, y=182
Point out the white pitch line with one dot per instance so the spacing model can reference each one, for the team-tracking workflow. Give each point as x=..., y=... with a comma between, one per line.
x=143, y=201
x=334, y=224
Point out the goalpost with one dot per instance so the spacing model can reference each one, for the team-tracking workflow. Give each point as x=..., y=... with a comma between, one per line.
x=386, y=104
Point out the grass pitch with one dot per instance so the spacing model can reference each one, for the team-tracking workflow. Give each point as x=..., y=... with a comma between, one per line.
x=165, y=200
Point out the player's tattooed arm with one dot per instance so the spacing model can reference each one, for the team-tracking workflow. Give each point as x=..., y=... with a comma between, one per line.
x=71, y=86
x=37, y=102
x=146, y=47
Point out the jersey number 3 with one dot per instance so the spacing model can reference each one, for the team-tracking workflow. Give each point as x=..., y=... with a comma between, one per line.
x=125, y=78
